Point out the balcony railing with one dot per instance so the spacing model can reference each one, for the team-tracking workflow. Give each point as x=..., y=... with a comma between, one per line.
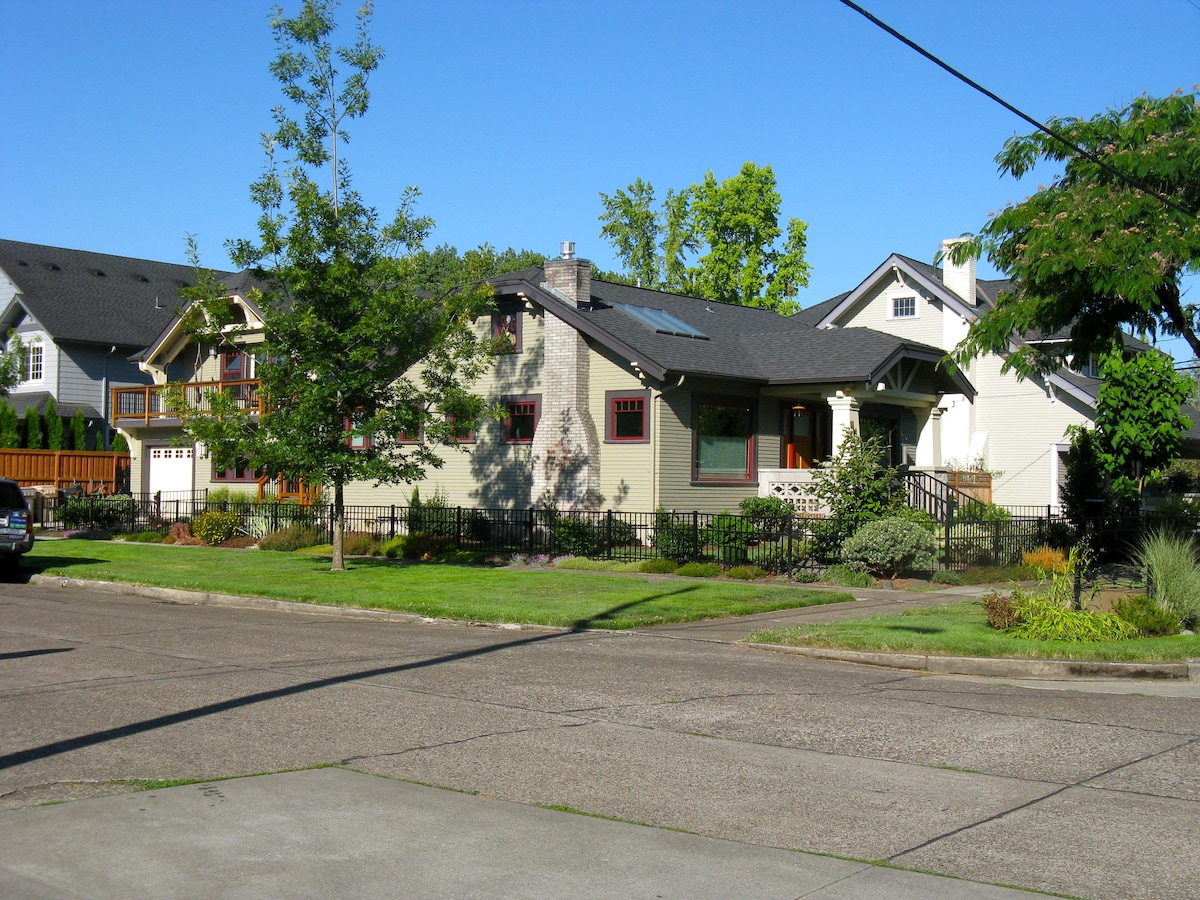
x=147, y=405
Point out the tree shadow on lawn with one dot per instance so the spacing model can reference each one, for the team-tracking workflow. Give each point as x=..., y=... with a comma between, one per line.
x=66, y=745
x=916, y=629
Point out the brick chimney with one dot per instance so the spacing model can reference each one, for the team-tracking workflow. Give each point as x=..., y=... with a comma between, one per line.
x=566, y=446
x=958, y=278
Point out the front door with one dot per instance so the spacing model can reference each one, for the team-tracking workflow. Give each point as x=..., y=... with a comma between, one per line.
x=804, y=438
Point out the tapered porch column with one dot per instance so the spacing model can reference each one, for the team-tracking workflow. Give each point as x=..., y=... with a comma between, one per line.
x=845, y=415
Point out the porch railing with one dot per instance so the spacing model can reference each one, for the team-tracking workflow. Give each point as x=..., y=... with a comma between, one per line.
x=150, y=402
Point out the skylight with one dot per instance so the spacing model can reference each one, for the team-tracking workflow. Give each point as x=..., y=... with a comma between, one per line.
x=661, y=321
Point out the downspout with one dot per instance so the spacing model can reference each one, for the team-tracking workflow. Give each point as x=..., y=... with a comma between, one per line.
x=104, y=397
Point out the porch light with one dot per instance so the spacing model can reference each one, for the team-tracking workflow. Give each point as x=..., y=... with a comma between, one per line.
x=799, y=407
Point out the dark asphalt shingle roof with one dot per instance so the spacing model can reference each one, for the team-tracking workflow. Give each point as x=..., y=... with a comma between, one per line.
x=78, y=295
x=744, y=343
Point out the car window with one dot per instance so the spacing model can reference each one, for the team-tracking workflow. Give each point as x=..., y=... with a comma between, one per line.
x=11, y=496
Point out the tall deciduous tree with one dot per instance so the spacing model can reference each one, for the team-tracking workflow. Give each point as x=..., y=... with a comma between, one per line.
x=715, y=239
x=1092, y=253
x=354, y=358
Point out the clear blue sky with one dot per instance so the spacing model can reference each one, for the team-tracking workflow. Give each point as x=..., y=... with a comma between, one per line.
x=134, y=122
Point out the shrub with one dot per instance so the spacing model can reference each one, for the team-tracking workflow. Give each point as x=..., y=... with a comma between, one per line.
x=361, y=543
x=1182, y=512
x=1181, y=476
x=1147, y=616
x=104, y=513
x=977, y=512
x=394, y=548
x=583, y=564
x=1168, y=561
x=1002, y=613
x=422, y=546
x=292, y=537
x=215, y=527
x=784, y=555
x=1045, y=559
x=675, y=537
x=573, y=535
x=657, y=566
x=746, y=573
x=143, y=537
x=237, y=501
x=847, y=576
x=856, y=487
x=181, y=533
x=699, y=570
x=946, y=576
x=770, y=515
x=240, y=542
x=731, y=535
x=888, y=547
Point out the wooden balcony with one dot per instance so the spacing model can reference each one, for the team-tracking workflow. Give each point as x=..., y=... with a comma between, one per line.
x=145, y=407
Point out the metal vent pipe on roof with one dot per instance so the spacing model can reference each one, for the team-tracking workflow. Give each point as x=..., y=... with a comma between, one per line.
x=568, y=249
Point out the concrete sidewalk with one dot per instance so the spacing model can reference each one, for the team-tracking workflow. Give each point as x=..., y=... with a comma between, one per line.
x=333, y=832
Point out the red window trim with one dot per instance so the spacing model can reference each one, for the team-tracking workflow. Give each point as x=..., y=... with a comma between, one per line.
x=612, y=400
x=533, y=407
x=516, y=318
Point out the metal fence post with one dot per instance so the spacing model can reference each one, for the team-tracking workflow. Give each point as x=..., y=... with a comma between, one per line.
x=530, y=528
x=695, y=534
x=947, y=557
x=608, y=541
x=392, y=523
x=458, y=528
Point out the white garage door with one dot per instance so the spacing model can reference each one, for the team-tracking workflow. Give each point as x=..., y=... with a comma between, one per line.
x=170, y=469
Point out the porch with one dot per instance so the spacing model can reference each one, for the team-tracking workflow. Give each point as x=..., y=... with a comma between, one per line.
x=150, y=405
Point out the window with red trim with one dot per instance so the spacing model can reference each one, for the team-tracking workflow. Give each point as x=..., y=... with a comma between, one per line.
x=627, y=418
x=233, y=365
x=242, y=471
x=522, y=419
x=355, y=438
x=506, y=329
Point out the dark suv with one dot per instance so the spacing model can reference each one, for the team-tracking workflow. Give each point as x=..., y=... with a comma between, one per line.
x=16, y=526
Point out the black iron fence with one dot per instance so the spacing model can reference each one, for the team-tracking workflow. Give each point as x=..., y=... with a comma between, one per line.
x=778, y=543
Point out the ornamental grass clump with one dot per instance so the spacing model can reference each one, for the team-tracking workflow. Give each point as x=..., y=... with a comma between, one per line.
x=1168, y=562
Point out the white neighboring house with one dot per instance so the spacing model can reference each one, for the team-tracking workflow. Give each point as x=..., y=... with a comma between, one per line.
x=1015, y=427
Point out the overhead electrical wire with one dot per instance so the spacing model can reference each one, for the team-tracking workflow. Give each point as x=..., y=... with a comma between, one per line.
x=1081, y=151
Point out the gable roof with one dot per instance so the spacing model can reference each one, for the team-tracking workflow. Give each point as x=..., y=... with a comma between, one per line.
x=744, y=343
x=94, y=298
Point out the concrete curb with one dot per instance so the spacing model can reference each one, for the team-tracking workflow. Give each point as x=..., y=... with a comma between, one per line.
x=1039, y=669
x=246, y=601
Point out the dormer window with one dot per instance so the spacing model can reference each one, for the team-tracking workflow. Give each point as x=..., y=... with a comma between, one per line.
x=34, y=370
x=904, y=307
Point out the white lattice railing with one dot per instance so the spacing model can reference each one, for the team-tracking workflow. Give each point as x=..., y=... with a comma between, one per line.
x=794, y=486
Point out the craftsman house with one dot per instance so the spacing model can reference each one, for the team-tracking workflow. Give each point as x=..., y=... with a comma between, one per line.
x=617, y=398
x=1015, y=428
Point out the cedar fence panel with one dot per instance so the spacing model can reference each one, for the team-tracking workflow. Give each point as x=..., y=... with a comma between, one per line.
x=92, y=470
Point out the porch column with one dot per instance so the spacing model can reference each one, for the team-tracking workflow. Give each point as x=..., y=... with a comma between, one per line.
x=845, y=415
x=929, y=444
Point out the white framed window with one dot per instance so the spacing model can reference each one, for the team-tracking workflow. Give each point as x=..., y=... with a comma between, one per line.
x=34, y=363
x=903, y=306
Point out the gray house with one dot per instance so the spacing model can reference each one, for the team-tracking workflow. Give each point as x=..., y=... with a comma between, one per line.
x=81, y=315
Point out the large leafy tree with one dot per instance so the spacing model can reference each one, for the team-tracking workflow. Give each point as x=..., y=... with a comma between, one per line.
x=716, y=239
x=1105, y=245
x=356, y=356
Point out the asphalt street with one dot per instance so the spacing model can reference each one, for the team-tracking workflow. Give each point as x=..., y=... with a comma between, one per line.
x=1087, y=789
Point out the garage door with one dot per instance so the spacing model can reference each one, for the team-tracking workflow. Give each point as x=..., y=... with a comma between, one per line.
x=170, y=469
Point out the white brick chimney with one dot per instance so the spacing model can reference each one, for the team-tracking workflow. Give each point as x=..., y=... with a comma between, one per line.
x=566, y=446
x=959, y=278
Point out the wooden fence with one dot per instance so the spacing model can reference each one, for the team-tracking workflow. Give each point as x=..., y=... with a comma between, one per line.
x=92, y=470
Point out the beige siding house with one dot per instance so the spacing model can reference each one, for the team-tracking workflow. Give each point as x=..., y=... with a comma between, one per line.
x=617, y=397
x=1015, y=428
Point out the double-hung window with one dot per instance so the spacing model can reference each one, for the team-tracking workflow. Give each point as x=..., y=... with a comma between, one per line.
x=506, y=329
x=34, y=366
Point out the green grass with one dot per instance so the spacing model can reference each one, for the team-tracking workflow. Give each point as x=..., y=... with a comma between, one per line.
x=535, y=597
x=962, y=630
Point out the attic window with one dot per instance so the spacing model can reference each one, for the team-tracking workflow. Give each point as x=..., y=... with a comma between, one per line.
x=904, y=307
x=661, y=321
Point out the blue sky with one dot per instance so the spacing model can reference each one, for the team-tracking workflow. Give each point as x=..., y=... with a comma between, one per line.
x=132, y=123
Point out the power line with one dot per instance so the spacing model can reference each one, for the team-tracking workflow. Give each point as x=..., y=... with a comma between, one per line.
x=1131, y=181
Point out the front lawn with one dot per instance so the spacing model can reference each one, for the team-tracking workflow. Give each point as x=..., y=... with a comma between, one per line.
x=534, y=597
x=962, y=630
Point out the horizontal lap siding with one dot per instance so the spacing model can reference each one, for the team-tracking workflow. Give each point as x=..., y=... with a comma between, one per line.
x=626, y=470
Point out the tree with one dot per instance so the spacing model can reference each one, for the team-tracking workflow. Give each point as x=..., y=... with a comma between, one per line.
x=1092, y=254
x=856, y=486
x=355, y=355
x=10, y=427
x=33, y=429
x=1139, y=420
x=54, y=426
x=78, y=431
x=443, y=268
x=716, y=239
